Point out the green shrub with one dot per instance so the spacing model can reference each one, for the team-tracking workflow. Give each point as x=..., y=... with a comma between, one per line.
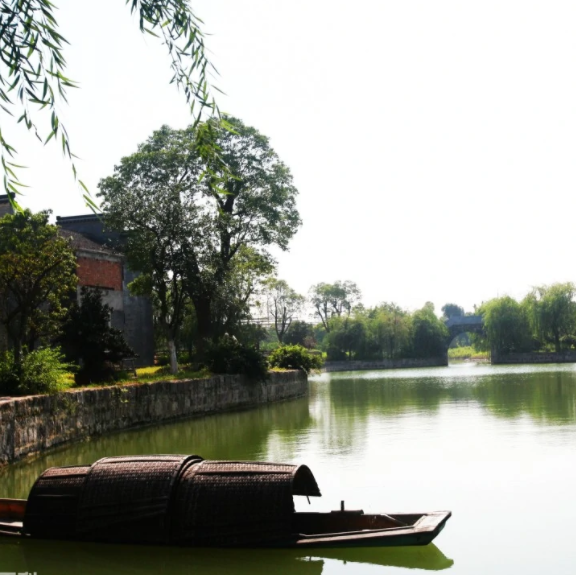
x=335, y=354
x=161, y=359
x=227, y=355
x=295, y=357
x=88, y=339
x=41, y=371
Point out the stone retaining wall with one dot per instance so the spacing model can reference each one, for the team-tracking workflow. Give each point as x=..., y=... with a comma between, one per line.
x=384, y=364
x=535, y=357
x=29, y=425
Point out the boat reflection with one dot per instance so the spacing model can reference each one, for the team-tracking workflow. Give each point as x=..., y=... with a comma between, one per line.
x=427, y=557
x=55, y=558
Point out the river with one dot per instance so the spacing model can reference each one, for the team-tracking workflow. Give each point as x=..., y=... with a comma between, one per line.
x=494, y=444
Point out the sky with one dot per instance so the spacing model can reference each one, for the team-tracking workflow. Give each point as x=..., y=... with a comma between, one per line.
x=433, y=144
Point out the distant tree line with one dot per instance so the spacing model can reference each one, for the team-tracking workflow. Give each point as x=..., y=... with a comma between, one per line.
x=346, y=329
x=545, y=319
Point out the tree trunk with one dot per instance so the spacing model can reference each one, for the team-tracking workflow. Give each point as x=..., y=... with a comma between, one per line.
x=202, y=306
x=17, y=350
x=173, y=356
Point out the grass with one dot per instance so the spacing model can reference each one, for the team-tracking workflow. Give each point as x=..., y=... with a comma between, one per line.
x=162, y=373
x=146, y=375
x=467, y=352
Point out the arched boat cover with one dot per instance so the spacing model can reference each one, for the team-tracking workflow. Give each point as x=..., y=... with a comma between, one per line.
x=129, y=498
x=238, y=503
x=52, y=506
x=168, y=499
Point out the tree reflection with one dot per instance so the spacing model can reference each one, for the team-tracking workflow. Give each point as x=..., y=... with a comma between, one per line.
x=546, y=396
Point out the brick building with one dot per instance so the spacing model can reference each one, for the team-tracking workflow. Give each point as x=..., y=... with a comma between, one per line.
x=5, y=206
x=101, y=264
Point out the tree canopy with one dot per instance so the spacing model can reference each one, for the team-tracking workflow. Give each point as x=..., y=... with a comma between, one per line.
x=506, y=325
x=37, y=277
x=282, y=304
x=334, y=300
x=551, y=311
x=452, y=310
x=221, y=223
x=33, y=74
x=429, y=334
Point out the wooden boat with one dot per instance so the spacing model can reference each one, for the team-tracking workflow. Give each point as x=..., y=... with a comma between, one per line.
x=186, y=500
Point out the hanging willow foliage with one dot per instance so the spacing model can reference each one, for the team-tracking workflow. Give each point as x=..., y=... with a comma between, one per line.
x=32, y=70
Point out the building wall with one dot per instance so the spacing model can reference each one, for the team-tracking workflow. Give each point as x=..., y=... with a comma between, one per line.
x=138, y=322
x=5, y=206
x=100, y=272
x=131, y=314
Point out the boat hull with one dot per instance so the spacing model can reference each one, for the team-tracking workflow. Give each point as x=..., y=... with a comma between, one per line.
x=421, y=531
x=419, y=528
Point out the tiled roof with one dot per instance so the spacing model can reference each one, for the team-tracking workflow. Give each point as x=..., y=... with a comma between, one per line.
x=81, y=242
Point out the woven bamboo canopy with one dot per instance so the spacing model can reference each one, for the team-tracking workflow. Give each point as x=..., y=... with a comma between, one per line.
x=168, y=499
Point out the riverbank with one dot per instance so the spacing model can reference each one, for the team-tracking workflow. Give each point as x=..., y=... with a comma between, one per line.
x=332, y=366
x=534, y=357
x=34, y=424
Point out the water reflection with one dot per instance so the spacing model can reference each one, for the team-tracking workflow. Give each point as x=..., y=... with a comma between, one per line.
x=234, y=435
x=484, y=441
x=547, y=394
x=546, y=397
x=95, y=559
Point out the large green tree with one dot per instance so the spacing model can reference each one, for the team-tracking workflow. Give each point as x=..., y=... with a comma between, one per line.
x=452, y=310
x=301, y=333
x=346, y=338
x=233, y=299
x=506, y=325
x=429, y=334
x=156, y=222
x=33, y=74
x=283, y=304
x=390, y=330
x=334, y=300
x=552, y=312
x=227, y=219
x=37, y=279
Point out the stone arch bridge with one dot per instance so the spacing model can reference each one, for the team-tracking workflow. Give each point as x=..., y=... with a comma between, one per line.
x=462, y=324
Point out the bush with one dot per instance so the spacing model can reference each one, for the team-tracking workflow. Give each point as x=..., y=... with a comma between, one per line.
x=41, y=371
x=89, y=339
x=295, y=357
x=335, y=354
x=227, y=355
x=161, y=359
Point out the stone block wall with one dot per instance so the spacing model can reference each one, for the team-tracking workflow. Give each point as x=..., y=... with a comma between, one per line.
x=30, y=425
x=330, y=366
x=534, y=357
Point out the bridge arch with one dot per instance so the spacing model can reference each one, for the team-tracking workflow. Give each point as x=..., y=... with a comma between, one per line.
x=463, y=324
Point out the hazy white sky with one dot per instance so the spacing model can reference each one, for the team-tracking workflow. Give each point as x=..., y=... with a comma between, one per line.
x=433, y=143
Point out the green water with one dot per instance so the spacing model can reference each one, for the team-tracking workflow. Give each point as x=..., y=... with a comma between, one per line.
x=496, y=445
